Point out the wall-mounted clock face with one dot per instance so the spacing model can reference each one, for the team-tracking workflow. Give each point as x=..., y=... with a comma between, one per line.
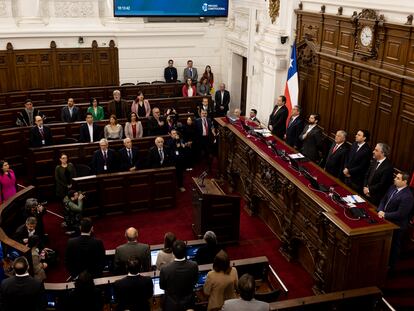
x=366, y=36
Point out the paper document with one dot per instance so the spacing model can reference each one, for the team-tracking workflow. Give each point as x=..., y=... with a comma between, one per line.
x=296, y=156
x=353, y=199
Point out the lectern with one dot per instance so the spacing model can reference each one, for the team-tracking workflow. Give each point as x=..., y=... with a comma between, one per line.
x=215, y=210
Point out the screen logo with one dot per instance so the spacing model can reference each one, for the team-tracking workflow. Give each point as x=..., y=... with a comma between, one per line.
x=204, y=7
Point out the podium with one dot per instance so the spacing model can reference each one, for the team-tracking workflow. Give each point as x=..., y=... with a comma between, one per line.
x=215, y=210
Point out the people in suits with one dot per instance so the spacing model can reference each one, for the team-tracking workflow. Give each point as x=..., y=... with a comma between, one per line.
x=311, y=138
x=246, y=302
x=222, y=100
x=128, y=156
x=89, y=131
x=27, y=230
x=134, y=291
x=118, y=106
x=335, y=159
x=189, y=89
x=7, y=181
x=40, y=135
x=156, y=124
x=85, y=252
x=26, y=117
x=278, y=117
x=177, y=279
x=159, y=155
x=96, y=110
x=178, y=150
x=70, y=113
x=357, y=161
x=104, y=159
x=205, y=133
x=130, y=249
x=205, y=105
x=396, y=206
x=294, y=128
x=190, y=72
x=379, y=175
x=21, y=291
x=170, y=72
x=253, y=116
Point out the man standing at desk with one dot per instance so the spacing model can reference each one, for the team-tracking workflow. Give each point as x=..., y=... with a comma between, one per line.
x=170, y=72
x=103, y=160
x=70, y=113
x=278, y=117
x=40, y=135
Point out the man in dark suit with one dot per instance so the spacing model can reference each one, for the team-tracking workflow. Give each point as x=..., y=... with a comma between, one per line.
x=27, y=230
x=335, y=159
x=357, y=162
x=205, y=133
x=312, y=138
x=205, y=105
x=134, y=291
x=27, y=115
x=130, y=249
x=253, y=116
x=156, y=124
x=22, y=292
x=190, y=72
x=170, y=72
x=129, y=156
x=159, y=155
x=89, y=131
x=379, y=176
x=396, y=207
x=222, y=101
x=85, y=252
x=294, y=129
x=104, y=159
x=278, y=117
x=118, y=106
x=177, y=279
x=70, y=113
x=40, y=135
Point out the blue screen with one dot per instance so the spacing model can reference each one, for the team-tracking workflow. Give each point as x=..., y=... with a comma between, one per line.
x=171, y=7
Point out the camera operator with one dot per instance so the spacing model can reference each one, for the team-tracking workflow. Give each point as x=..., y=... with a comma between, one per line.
x=73, y=204
x=35, y=209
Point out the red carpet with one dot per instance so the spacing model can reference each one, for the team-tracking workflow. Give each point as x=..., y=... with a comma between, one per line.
x=255, y=238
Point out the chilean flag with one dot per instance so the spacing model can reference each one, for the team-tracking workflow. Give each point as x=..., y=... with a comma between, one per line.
x=292, y=83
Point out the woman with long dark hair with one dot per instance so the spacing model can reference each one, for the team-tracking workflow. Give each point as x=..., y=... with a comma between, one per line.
x=7, y=181
x=64, y=172
x=166, y=255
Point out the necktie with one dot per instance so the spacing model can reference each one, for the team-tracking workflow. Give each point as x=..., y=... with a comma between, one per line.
x=276, y=110
x=41, y=132
x=129, y=156
x=290, y=122
x=377, y=165
x=205, y=126
x=335, y=148
x=104, y=156
x=161, y=156
x=191, y=72
x=390, y=198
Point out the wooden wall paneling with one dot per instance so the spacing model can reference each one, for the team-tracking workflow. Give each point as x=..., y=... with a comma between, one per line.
x=113, y=53
x=361, y=110
x=339, y=103
x=4, y=73
x=324, y=97
x=395, y=49
x=329, y=40
x=89, y=73
x=409, y=69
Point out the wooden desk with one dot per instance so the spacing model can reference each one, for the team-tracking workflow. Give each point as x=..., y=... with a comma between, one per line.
x=339, y=253
x=126, y=191
x=216, y=211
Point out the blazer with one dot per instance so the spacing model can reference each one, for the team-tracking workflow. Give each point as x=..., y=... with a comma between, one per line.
x=125, y=162
x=134, y=107
x=65, y=114
x=7, y=185
x=225, y=103
x=23, y=117
x=335, y=161
x=210, y=110
x=199, y=127
x=22, y=233
x=178, y=279
x=397, y=206
x=22, y=293
x=124, y=111
x=154, y=129
x=378, y=180
x=85, y=253
x=84, y=133
x=154, y=160
x=99, y=115
x=293, y=131
x=278, y=121
x=129, y=133
x=36, y=140
x=187, y=74
x=170, y=74
x=133, y=293
x=312, y=143
x=98, y=162
x=60, y=179
x=357, y=163
x=203, y=90
x=185, y=90
x=132, y=249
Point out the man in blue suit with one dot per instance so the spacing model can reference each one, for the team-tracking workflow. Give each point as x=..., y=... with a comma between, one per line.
x=396, y=207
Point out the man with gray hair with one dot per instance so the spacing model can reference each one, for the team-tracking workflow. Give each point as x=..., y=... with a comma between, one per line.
x=128, y=156
x=103, y=160
x=206, y=253
x=379, y=176
x=335, y=159
x=118, y=106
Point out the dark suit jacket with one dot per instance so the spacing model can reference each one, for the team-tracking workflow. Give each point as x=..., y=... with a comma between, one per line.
x=36, y=138
x=154, y=129
x=225, y=103
x=85, y=253
x=125, y=163
x=132, y=249
x=278, y=121
x=98, y=162
x=335, y=161
x=399, y=206
x=154, y=160
x=199, y=127
x=65, y=114
x=357, y=163
x=170, y=74
x=312, y=143
x=22, y=293
x=133, y=293
x=178, y=279
x=378, y=180
x=293, y=132
x=22, y=233
x=124, y=108
x=84, y=133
